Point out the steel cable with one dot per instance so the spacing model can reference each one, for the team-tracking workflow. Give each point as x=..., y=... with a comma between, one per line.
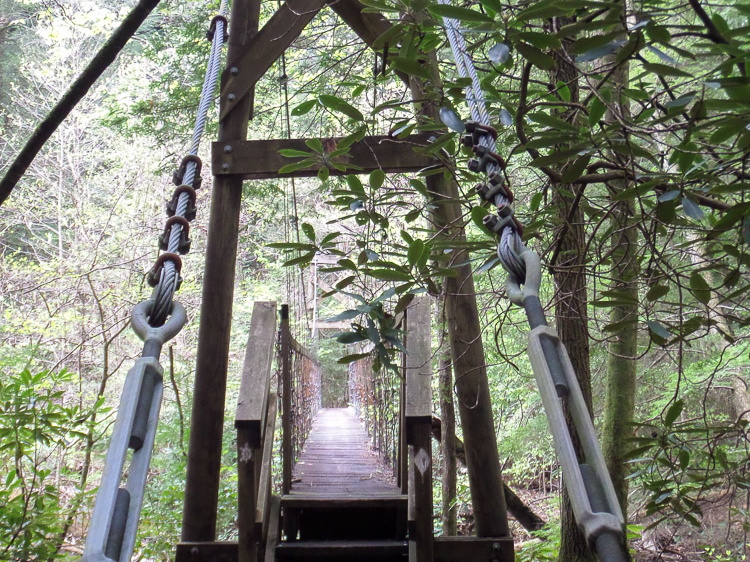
x=169, y=279
x=510, y=244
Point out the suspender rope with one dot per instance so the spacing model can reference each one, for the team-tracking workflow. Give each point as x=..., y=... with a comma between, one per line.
x=589, y=486
x=114, y=521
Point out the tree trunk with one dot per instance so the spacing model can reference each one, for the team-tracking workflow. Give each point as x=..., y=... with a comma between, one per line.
x=465, y=335
x=448, y=440
x=623, y=348
x=571, y=296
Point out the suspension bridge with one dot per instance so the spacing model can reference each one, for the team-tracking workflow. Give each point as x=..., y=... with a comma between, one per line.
x=337, y=500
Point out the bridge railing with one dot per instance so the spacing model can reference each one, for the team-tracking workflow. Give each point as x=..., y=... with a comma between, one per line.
x=300, y=374
x=376, y=398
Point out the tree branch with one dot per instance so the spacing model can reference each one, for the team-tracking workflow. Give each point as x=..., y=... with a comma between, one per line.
x=103, y=59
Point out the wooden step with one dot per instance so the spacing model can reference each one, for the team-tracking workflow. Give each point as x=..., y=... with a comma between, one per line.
x=343, y=551
x=343, y=517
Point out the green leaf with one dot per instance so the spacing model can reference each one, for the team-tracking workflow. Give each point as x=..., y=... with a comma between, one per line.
x=293, y=153
x=596, y=111
x=664, y=70
x=699, y=287
x=377, y=177
x=315, y=144
x=656, y=292
x=575, y=170
x=692, y=209
x=673, y=413
x=308, y=230
x=535, y=56
x=294, y=166
x=346, y=359
x=415, y=252
x=350, y=337
x=658, y=330
x=410, y=66
x=304, y=107
x=388, y=274
x=355, y=184
x=458, y=13
x=346, y=315
x=335, y=103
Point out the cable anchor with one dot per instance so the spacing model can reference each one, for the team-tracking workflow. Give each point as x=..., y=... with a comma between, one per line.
x=183, y=246
x=485, y=157
x=179, y=175
x=212, y=28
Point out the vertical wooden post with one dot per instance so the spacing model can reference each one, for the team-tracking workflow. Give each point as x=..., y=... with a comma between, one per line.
x=204, y=455
x=286, y=403
x=418, y=416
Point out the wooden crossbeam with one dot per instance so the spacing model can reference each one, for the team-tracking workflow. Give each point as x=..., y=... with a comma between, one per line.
x=264, y=49
x=260, y=159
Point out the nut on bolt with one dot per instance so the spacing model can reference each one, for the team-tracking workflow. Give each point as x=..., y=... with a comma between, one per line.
x=231, y=97
x=227, y=149
x=234, y=71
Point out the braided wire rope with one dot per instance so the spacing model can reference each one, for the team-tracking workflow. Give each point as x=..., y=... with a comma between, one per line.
x=169, y=278
x=510, y=245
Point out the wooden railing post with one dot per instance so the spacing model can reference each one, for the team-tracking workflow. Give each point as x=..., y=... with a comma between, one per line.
x=418, y=420
x=254, y=421
x=286, y=402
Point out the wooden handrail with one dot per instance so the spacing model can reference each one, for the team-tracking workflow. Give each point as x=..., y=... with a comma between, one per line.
x=254, y=421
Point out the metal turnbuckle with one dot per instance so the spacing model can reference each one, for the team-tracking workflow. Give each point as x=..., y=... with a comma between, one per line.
x=114, y=521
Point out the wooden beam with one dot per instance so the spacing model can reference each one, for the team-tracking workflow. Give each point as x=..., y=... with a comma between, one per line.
x=453, y=549
x=209, y=395
x=244, y=71
x=252, y=403
x=260, y=159
x=262, y=512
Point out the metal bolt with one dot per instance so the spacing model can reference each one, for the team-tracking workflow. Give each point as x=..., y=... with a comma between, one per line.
x=231, y=97
x=234, y=71
x=495, y=546
x=195, y=551
x=225, y=167
x=227, y=149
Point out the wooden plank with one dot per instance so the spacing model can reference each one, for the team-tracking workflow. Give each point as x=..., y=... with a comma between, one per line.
x=367, y=25
x=247, y=494
x=260, y=159
x=274, y=530
x=265, y=487
x=264, y=49
x=418, y=362
x=360, y=550
x=252, y=403
x=209, y=391
x=205, y=551
x=465, y=549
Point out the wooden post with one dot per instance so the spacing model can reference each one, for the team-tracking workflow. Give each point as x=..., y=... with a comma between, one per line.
x=204, y=454
x=251, y=421
x=418, y=416
x=286, y=403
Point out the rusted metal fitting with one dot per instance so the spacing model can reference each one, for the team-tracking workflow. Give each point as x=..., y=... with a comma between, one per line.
x=504, y=217
x=212, y=28
x=154, y=274
x=495, y=184
x=484, y=158
x=475, y=131
x=179, y=175
x=184, y=244
x=172, y=205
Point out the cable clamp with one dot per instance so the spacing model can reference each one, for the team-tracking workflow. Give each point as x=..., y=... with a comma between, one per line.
x=174, y=202
x=504, y=217
x=179, y=175
x=485, y=157
x=475, y=132
x=154, y=275
x=495, y=184
x=185, y=242
x=212, y=28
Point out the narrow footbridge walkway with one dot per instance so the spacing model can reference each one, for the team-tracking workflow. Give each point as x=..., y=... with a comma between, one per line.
x=337, y=460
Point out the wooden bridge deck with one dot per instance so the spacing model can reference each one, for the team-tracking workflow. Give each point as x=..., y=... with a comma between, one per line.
x=337, y=460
